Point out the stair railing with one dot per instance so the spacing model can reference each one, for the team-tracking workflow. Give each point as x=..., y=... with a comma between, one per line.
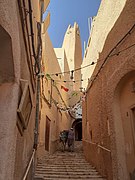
x=29, y=165
x=102, y=147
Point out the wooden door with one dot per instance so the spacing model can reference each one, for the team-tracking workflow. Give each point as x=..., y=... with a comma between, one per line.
x=47, y=133
x=133, y=125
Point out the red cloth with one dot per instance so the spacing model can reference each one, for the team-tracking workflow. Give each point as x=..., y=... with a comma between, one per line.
x=66, y=89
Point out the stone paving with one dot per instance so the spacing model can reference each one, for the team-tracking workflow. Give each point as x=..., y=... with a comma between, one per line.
x=66, y=165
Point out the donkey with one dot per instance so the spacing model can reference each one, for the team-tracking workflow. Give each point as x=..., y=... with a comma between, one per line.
x=63, y=139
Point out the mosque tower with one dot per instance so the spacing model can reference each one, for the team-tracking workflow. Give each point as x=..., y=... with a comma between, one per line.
x=73, y=51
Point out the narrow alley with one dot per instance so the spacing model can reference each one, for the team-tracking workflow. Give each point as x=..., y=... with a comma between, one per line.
x=66, y=165
x=67, y=73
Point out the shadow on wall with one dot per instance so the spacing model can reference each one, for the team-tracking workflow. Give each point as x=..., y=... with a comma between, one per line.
x=6, y=57
x=124, y=116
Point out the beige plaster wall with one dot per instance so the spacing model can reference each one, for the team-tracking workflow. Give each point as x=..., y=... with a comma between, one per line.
x=69, y=45
x=102, y=24
x=103, y=114
x=58, y=60
x=8, y=97
x=62, y=59
x=73, y=51
x=123, y=104
x=59, y=120
x=60, y=54
x=15, y=149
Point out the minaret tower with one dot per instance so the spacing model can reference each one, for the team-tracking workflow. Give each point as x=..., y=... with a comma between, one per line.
x=73, y=51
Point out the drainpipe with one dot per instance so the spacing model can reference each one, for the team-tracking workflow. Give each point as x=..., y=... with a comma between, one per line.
x=37, y=57
x=39, y=74
x=37, y=113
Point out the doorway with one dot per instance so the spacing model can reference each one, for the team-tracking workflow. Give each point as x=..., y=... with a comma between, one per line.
x=124, y=123
x=47, y=133
x=78, y=132
x=77, y=125
x=133, y=125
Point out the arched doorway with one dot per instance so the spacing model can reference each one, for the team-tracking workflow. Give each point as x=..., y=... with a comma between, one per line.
x=6, y=57
x=77, y=125
x=8, y=103
x=124, y=120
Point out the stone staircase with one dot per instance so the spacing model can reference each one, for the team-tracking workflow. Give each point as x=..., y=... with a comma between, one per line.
x=66, y=165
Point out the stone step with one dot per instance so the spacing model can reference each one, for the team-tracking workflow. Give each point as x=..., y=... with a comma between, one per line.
x=65, y=168
x=62, y=161
x=64, y=157
x=59, y=153
x=64, y=164
x=68, y=176
x=68, y=179
x=66, y=172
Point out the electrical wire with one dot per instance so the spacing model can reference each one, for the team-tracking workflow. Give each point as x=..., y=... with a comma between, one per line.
x=74, y=69
x=94, y=62
x=122, y=50
x=109, y=54
x=64, y=101
x=74, y=81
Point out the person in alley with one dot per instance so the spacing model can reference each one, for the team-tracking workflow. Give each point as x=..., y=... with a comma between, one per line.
x=71, y=140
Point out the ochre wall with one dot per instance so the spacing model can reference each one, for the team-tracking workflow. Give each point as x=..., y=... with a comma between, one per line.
x=16, y=149
x=73, y=51
x=59, y=120
x=102, y=24
x=101, y=117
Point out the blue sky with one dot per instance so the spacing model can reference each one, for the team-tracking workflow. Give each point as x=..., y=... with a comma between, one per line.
x=65, y=12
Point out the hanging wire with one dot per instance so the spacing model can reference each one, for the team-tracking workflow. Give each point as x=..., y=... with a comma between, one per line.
x=52, y=74
x=122, y=50
x=58, y=73
x=74, y=69
x=109, y=54
x=56, y=103
x=70, y=81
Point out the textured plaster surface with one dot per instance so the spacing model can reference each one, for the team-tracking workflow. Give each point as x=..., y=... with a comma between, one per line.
x=58, y=60
x=103, y=114
x=102, y=24
x=15, y=149
x=58, y=120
